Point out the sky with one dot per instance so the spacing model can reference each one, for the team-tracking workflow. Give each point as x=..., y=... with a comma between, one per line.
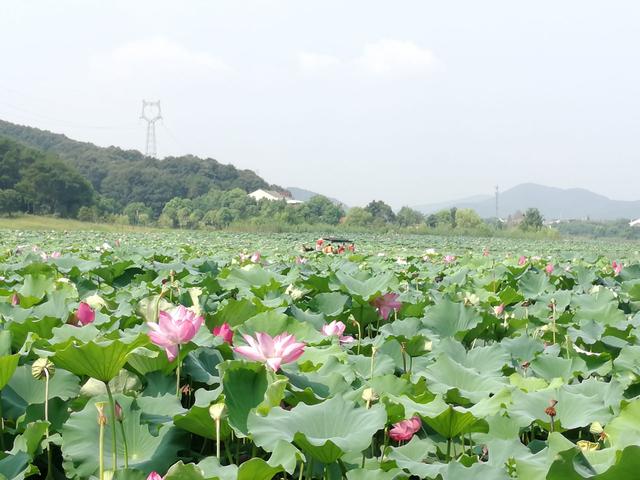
x=411, y=102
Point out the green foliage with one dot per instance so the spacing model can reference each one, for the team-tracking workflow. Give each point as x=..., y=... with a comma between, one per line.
x=532, y=220
x=40, y=183
x=407, y=217
x=381, y=212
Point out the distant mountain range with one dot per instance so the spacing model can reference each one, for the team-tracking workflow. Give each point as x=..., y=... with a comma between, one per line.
x=553, y=203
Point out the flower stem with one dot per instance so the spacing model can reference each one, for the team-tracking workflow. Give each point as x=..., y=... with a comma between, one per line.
x=178, y=376
x=101, y=450
x=2, y=446
x=218, y=439
x=46, y=419
x=125, y=445
x=112, y=411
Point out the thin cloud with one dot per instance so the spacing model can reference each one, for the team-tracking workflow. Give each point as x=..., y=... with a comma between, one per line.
x=386, y=57
x=397, y=58
x=157, y=55
x=316, y=62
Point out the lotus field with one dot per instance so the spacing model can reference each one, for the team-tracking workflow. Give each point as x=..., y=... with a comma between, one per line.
x=236, y=356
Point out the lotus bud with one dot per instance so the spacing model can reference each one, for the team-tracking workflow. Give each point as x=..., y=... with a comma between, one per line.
x=118, y=412
x=102, y=419
x=369, y=395
x=15, y=299
x=42, y=368
x=216, y=411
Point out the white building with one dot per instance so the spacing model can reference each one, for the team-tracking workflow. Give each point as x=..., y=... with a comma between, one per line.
x=635, y=223
x=272, y=195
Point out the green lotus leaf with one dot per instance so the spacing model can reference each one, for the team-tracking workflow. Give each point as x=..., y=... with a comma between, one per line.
x=146, y=451
x=331, y=303
x=101, y=359
x=197, y=420
x=445, y=374
x=453, y=421
x=450, y=319
x=325, y=431
x=365, y=288
x=8, y=365
x=247, y=386
x=534, y=284
x=24, y=390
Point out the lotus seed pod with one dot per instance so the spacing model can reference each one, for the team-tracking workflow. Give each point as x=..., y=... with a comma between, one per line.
x=102, y=419
x=216, y=411
x=596, y=428
x=368, y=395
x=42, y=368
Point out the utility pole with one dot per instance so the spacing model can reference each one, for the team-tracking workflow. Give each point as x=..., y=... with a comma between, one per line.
x=497, y=196
x=151, y=114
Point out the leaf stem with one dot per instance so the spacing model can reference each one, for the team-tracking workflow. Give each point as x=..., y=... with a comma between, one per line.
x=2, y=445
x=125, y=445
x=112, y=411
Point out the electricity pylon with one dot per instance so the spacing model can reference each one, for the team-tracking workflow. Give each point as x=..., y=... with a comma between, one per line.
x=151, y=113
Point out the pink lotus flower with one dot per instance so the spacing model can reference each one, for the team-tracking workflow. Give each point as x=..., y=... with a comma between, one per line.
x=274, y=351
x=617, y=267
x=301, y=260
x=449, y=258
x=117, y=242
x=84, y=315
x=498, y=310
x=224, y=332
x=154, y=476
x=549, y=268
x=55, y=255
x=336, y=328
x=173, y=329
x=15, y=299
x=386, y=303
x=255, y=258
x=485, y=252
x=404, y=430
x=522, y=260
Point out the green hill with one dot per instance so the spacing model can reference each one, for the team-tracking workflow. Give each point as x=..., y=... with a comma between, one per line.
x=127, y=176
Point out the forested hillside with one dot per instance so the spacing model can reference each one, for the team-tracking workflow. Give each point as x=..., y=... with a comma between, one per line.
x=127, y=176
x=34, y=182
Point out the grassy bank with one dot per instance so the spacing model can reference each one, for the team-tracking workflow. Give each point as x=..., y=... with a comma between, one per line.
x=34, y=222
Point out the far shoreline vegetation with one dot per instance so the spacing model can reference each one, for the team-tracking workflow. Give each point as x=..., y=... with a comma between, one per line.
x=49, y=175
x=30, y=222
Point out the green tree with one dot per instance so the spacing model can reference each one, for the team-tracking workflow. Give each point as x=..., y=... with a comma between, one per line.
x=320, y=209
x=358, y=217
x=137, y=213
x=468, y=219
x=10, y=201
x=381, y=211
x=408, y=217
x=452, y=216
x=50, y=186
x=532, y=220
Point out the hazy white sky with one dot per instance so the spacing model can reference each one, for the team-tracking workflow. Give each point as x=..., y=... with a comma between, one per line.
x=412, y=102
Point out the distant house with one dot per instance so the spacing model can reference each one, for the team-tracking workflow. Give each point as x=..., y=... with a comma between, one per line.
x=272, y=195
x=635, y=223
